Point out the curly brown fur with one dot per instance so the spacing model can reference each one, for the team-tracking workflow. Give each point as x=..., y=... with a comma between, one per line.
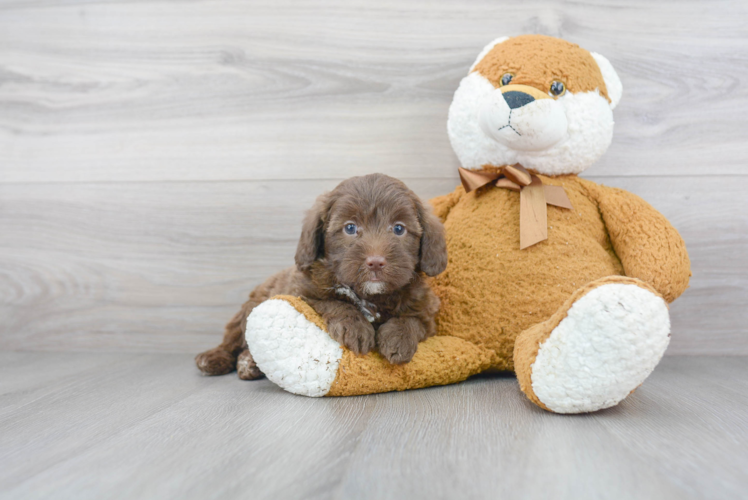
x=379, y=263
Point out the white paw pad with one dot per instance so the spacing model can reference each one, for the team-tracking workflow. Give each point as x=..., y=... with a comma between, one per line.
x=610, y=341
x=291, y=351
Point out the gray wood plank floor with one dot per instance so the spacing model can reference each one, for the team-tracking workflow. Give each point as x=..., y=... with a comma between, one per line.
x=92, y=425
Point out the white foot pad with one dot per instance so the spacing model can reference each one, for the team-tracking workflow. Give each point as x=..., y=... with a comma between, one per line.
x=291, y=350
x=610, y=341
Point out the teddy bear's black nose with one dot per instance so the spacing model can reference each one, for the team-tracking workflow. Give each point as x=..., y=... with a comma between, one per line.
x=516, y=99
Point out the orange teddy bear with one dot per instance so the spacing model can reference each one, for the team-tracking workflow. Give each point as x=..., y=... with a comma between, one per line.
x=564, y=281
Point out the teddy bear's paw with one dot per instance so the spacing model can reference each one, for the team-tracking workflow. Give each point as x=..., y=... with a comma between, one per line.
x=609, y=342
x=291, y=349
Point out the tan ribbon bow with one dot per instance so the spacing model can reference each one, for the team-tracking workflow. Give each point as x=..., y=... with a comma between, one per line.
x=533, y=198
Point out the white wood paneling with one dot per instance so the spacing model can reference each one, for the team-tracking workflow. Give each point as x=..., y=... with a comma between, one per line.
x=162, y=266
x=156, y=157
x=105, y=91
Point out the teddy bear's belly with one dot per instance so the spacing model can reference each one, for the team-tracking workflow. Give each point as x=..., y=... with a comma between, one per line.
x=492, y=290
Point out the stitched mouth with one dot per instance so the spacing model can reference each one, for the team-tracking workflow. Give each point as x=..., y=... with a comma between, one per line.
x=509, y=124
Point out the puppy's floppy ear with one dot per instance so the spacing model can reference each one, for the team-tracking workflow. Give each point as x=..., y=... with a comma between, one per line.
x=311, y=243
x=433, y=243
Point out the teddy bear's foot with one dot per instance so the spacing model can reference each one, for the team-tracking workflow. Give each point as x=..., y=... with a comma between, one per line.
x=596, y=349
x=290, y=344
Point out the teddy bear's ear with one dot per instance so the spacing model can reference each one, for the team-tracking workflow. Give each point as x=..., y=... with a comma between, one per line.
x=612, y=82
x=486, y=50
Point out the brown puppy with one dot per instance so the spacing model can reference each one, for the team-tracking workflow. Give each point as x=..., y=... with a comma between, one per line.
x=360, y=263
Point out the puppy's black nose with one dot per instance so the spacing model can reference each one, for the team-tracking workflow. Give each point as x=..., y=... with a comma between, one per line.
x=375, y=262
x=516, y=99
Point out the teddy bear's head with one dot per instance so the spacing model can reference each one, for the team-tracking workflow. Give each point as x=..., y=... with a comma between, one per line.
x=535, y=100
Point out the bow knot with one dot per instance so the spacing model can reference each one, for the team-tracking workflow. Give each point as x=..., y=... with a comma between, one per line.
x=533, y=198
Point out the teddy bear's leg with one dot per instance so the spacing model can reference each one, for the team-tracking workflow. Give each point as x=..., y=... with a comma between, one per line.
x=290, y=345
x=596, y=349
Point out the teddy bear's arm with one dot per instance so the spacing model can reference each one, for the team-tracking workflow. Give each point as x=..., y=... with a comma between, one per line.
x=443, y=204
x=649, y=247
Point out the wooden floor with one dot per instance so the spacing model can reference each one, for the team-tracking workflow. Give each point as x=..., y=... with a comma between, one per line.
x=78, y=425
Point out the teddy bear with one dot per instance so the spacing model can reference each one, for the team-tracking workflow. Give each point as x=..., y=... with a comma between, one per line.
x=561, y=280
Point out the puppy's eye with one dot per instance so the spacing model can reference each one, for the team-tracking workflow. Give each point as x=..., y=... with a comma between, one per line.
x=506, y=78
x=398, y=229
x=350, y=228
x=558, y=88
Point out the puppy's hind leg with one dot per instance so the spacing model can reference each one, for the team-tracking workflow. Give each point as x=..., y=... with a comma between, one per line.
x=222, y=359
x=246, y=367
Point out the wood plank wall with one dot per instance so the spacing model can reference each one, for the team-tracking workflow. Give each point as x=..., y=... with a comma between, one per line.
x=156, y=157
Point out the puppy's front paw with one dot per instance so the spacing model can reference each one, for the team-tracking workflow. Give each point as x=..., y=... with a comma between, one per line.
x=354, y=332
x=396, y=343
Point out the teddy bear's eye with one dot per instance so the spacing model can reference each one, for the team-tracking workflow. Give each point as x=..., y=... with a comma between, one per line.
x=506, y=79
x=558, y=88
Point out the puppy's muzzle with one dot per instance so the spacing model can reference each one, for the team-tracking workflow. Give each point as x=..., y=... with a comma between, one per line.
x=523, y=118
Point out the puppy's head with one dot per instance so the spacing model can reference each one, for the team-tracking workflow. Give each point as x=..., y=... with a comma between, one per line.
x=374, y=234
x=535, y=100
